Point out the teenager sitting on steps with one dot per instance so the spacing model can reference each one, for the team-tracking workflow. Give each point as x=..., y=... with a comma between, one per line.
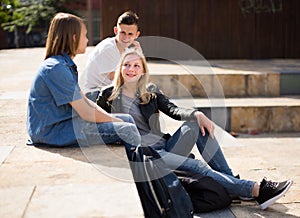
x=131, y=94
x=58, y=113
x=105, y=57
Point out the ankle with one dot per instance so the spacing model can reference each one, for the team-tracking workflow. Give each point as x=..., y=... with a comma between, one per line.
x=255, y=190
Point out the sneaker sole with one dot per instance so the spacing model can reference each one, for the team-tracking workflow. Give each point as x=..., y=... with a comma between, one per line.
x=246, y=198
x=272, y=200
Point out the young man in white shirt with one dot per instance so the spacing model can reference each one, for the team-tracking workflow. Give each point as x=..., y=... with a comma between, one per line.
x=105, y=58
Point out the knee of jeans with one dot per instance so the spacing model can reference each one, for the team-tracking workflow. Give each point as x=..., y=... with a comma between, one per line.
x=130, y=134
x=192, y=128
x=125, y=117
x=203, y=139
x=129, y=129
x=198, y=166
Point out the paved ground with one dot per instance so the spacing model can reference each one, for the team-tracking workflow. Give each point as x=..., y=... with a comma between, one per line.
x=37, y=182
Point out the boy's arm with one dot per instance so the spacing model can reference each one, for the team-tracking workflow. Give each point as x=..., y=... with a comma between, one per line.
x=111, y=75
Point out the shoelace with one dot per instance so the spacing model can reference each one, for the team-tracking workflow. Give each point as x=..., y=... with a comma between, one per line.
x=271, y=184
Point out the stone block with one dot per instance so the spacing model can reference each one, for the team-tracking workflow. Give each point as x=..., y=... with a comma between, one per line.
x=262, y=84
x=233, y=85
x=195, y=85
x=184, y=85
x=265, y=119
x=284, y=119
x=167, y=83
x=248, y=119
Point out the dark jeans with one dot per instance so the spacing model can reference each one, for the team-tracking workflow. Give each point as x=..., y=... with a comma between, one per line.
x=93, y=95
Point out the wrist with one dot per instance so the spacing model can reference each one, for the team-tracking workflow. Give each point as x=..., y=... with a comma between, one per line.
x=198, y=114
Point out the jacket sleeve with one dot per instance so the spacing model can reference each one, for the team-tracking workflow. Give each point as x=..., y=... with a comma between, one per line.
x=166, y=106
x=102, y=99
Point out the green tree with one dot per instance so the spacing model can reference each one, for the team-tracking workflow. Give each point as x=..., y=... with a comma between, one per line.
x=6, y=9
x=29, y=14
x=8, y=15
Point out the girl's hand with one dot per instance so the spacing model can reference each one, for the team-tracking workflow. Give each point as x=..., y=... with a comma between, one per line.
x=205, y=123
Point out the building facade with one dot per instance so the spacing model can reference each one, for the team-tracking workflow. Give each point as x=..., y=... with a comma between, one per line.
x=217, y=29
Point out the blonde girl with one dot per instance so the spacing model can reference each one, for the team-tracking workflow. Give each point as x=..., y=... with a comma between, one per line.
x=131, y=94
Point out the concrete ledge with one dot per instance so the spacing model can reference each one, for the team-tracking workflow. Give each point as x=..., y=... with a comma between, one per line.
x=250, y=114
x=218, y=85
x=265, y=119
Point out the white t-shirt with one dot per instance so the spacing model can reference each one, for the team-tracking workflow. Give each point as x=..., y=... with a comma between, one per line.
x=103, y=60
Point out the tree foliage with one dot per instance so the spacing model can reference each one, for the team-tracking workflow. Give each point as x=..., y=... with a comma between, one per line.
x=6, y=9
x=29, y=13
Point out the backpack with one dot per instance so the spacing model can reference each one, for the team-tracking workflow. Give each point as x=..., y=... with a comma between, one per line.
x=160, y=191
x=206, y=194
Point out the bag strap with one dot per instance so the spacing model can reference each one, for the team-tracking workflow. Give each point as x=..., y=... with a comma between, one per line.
x=151, y=186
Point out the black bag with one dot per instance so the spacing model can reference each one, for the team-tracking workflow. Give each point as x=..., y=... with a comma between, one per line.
x=206, y=194
x=159, y=189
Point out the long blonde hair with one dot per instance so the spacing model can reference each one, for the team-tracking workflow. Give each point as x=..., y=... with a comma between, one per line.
x=118, y=81
x=61, y=33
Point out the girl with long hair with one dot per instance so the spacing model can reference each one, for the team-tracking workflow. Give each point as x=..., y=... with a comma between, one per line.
x=131, y=93
x=59, y=114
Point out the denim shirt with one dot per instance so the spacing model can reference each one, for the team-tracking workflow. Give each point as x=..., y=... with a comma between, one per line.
x=50, y=116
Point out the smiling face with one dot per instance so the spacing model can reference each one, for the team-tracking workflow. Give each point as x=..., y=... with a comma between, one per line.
x=126, y=34
x=132, y=68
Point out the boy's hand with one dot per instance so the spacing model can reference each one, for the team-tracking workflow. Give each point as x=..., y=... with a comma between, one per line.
x=136, y=45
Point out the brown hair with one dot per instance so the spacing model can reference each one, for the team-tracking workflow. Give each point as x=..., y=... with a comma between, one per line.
x=128, y=18
x=118, y=82
x=61, y=33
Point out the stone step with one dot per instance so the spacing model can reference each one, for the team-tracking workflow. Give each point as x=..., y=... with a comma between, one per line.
x=250, y=115
x=219, y=78
x=227, y=78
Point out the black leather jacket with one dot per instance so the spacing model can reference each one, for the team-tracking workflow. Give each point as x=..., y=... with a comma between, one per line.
x=158, y=102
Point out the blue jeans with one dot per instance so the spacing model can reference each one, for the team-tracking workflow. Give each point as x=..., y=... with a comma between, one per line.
x=125, y=133
x=93, y=95
x=213, y=163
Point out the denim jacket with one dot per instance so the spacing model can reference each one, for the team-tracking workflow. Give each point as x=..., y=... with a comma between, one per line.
x=49, y=112
x=150, y=111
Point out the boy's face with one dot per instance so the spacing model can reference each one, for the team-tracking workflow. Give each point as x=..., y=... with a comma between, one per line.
x=126, y=34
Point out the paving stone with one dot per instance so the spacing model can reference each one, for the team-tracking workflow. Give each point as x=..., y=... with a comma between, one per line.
x=85, y=200
x=276, y=211
x=30, y=165
x=216, y=214
x=4, y=152
x=14, y=200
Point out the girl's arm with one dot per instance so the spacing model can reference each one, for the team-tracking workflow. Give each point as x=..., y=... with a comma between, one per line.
x=169, y=108
x=90, y=111
x=178, y=113
x=190, y=114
